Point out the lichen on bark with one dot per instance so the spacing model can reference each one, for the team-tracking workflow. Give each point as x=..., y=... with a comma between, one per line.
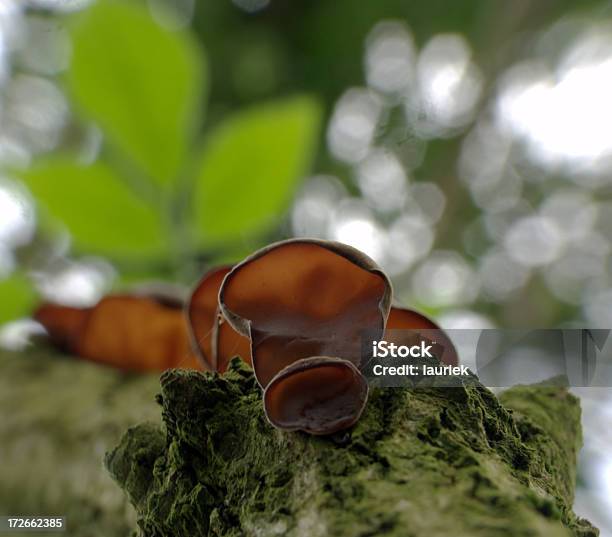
x=420, y=462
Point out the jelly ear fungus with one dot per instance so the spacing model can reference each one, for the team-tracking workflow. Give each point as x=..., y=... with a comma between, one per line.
x=304, y=304
x=319, y=395
x=415, y=327
x=130, y=332
x=304, y=297
x=214, y=340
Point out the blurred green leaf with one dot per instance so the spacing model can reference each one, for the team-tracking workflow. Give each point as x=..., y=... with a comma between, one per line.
x=99, y=210
x=251, y=165
x=143, y=84
x=17, y=298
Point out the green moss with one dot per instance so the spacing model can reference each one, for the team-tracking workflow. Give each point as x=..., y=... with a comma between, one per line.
x=421, y=462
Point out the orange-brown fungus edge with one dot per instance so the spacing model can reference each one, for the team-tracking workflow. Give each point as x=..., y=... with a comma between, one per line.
x=62, y=323
x=407, y=319
x=123, y=331
x=319, y=395
x=227, y=343
x=215, y=342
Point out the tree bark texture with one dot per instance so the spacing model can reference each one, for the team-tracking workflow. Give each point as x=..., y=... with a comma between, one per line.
x=58, y=416
x=421, y=462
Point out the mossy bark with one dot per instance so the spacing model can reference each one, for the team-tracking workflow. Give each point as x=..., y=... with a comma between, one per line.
x=58, y=416
x=420, y=462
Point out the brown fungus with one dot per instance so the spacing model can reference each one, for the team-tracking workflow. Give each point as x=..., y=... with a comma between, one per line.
x=318, y=395
x=228, y=343
x=215, y=341
x=62, y=323
x=125, y=331
x=302, y=298
x=409, y=327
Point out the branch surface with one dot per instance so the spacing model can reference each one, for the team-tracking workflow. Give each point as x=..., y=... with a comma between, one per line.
x=421, y=462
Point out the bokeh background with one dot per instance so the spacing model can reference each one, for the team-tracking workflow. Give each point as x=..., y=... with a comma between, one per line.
x=466, y=146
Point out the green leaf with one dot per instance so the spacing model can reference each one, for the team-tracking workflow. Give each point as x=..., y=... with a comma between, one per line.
x=17, y=298
x=250, y=167
x=99, y=210
x=141, y=83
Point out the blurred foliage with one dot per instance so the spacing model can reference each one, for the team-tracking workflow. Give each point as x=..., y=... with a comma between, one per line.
x=103, y=215
x=250, y=165
x=186, y=142
x=18, y=297
x=144, y=87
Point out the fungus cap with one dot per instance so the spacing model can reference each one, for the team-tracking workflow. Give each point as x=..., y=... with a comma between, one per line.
x=305, y=297
x=202, y=311
x=215, y=342
x=319, y=395
x=421, y=327
x=125, y=331
x=228, y=343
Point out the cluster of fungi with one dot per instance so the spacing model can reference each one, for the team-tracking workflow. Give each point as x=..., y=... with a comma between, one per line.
x=295, y=311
